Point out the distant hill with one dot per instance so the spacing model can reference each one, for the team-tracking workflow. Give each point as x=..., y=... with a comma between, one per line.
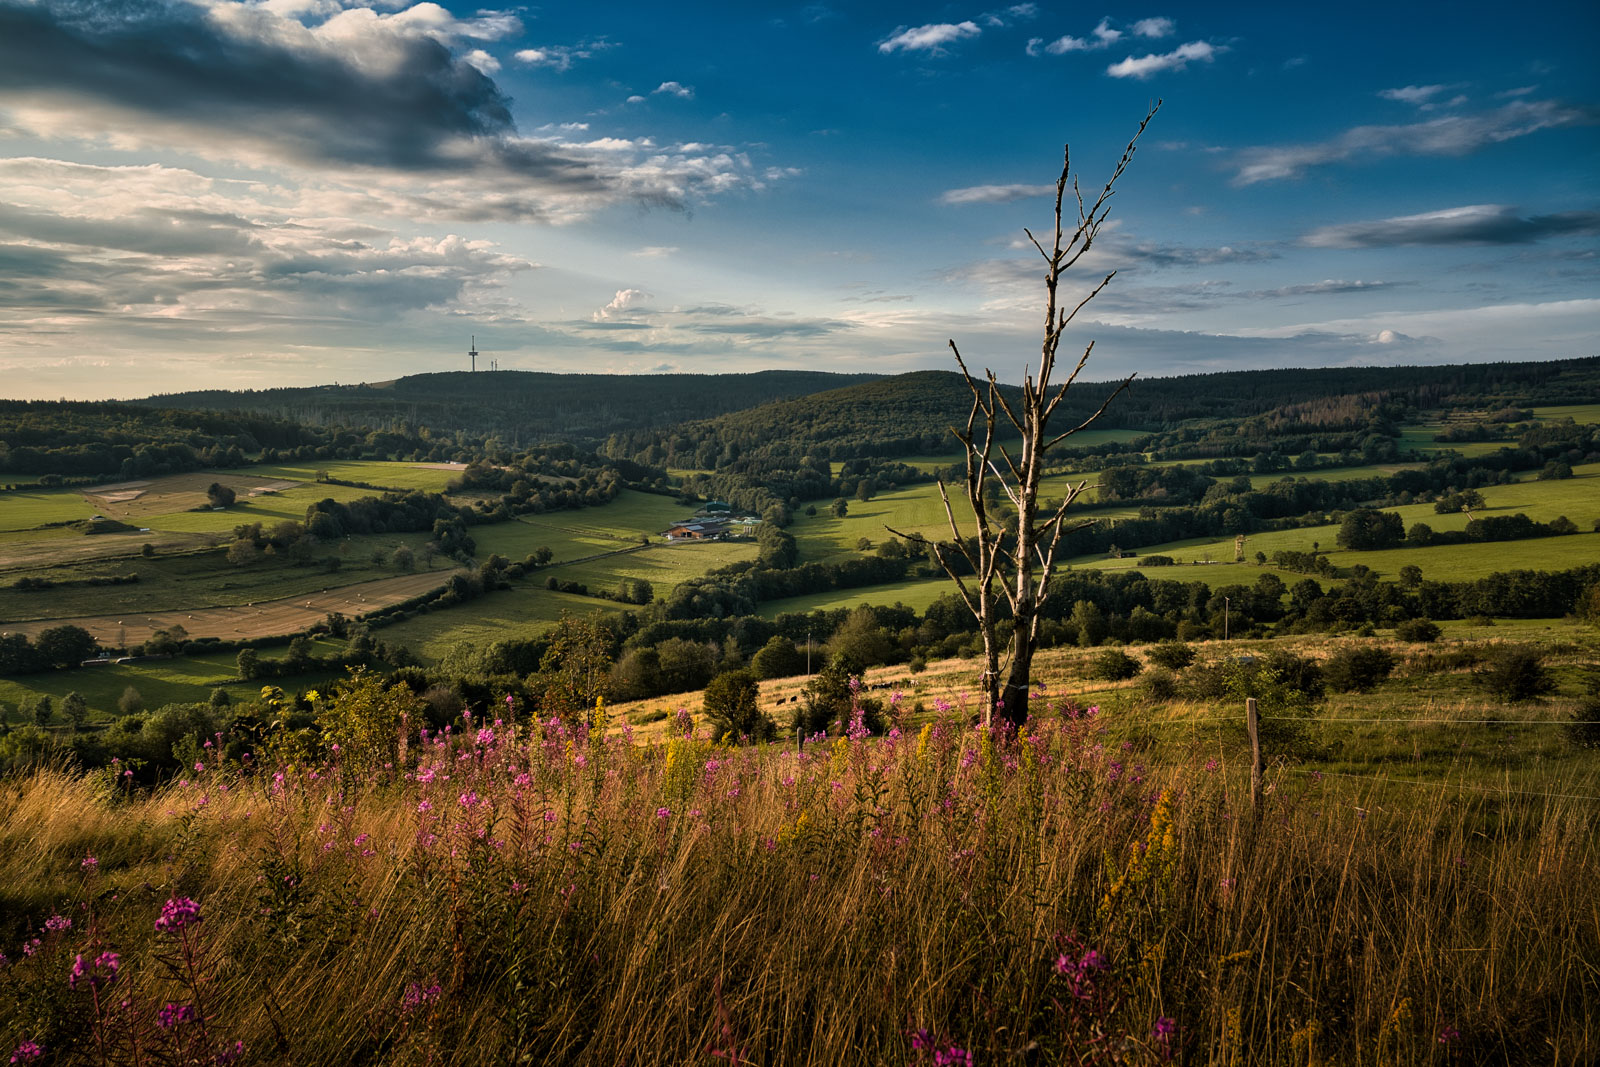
x=522, y=407
x=912, y=413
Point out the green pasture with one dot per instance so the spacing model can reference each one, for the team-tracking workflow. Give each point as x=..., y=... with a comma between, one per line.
x=916, y=593
x=523, y=611
x=1582, y=414
x=1419, y=438
x=35, y=507
x=912, y=509
x=518, y=539
x=1578, y=498
x=662, y=565
x=200, y=579
x=373, y=472
x=583, y=531
x=184, y=679
x=288, y=505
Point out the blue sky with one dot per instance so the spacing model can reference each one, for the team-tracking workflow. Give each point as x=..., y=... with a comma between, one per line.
x=226, y=194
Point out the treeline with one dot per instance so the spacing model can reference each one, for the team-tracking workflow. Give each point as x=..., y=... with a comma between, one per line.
x=650, y=654
x=1242, y=412
x=516, y=409
x=80, y=442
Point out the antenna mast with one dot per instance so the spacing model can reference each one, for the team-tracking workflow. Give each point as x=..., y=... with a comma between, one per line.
x=474, y=352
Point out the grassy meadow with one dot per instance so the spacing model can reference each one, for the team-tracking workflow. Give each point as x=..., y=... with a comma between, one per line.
x=546, y=893
x=184, y=679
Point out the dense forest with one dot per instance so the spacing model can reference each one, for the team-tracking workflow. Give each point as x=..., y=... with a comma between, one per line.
x=521, y=407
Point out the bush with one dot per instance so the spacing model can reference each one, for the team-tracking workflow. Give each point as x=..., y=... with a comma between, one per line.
x=1173, y=655
x=1516, y=673
x=1419, y=631
x=730, y=707
x=1583, y=729
x=1114, y=665
x=1357, y=668
x=1159, y=685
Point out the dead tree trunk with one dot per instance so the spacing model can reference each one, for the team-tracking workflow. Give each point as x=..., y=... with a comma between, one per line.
x=1017, y=565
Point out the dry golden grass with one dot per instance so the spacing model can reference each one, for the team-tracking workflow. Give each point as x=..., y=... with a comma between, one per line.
x=589, y=900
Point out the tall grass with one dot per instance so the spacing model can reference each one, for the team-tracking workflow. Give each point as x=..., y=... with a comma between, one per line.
x=549, y=894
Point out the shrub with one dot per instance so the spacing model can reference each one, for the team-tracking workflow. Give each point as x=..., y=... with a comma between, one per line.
x=1516, y=673
x=1173, y=655
x=1357, y=668
x=1583, y=729
x=1159, y=685
x=1419, y=631
x=730, y=707
x=1114, y=665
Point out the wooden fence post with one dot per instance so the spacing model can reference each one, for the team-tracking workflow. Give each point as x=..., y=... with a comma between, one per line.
x=1253, y=724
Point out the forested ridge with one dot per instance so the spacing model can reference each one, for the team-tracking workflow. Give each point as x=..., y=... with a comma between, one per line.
x=523, y=407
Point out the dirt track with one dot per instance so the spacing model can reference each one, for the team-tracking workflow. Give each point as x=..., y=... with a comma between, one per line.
x=264, y=618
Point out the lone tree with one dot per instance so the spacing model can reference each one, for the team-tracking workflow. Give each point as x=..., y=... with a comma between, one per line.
x=998, y=563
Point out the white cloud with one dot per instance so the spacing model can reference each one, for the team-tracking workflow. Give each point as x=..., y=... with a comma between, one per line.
x=1416, y=95
x=482, y=61
x=1099, y=39
x=1156, y=27
x=1451, y=135
x=930, y=38
x=994, y=194
x=678, y=89
x=1142, y=67
x=626, y=300
x=554, y=57
x=654, y=251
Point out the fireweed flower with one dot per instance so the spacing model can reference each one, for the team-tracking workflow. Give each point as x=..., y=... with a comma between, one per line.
x=1162, y=1033
x=663, y=813
x=173, y=1015
x=57, y=923
x=177, y=914
x=102, y=971
x=90, y=864
x=27, y=1052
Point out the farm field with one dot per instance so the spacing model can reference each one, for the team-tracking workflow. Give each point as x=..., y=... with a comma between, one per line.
x=910, y=509
x=189, y=573
x=247, y=619
x=184, y=679
x=525, y=610
x=266, y=493
x=1582, y=414
x=1578, y=498
x=916, y=593
x=663, y=565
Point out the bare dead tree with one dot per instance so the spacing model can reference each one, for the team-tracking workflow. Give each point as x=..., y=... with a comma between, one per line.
x=1015, y=567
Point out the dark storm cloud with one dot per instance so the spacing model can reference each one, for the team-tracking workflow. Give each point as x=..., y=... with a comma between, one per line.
x=174, y=63
x=1478, y=224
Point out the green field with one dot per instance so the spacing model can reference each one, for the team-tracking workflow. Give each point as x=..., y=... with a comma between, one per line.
x=182, y=680
x=524, y=611
x=198, y=579
x=915, y=593
x=25, y=510
x=663, y=566
x=1582, y=414
x=423, y=476
x=1578, y=498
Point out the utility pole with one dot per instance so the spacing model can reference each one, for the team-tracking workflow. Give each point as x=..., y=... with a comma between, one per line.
x=808, y=652
x=1226, y=604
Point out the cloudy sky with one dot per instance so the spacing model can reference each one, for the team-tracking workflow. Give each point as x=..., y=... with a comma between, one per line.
x=213, y=193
